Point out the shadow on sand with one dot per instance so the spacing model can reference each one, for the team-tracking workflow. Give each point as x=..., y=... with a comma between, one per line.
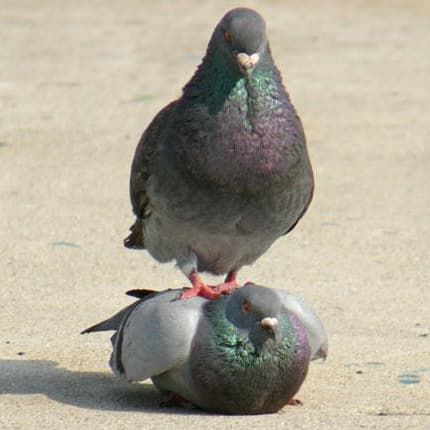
x=94, y=390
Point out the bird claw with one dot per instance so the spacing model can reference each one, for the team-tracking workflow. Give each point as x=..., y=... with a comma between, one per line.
x=176, y=400
x=209, y=292
x=295, y=402
x=206, y=291
x=225, y=288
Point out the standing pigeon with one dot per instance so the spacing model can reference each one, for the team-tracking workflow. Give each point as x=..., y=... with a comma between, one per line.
x=223, y=171
x=245, y=353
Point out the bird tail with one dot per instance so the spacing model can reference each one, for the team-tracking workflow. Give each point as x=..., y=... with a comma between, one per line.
x=135, y=239
x=112, y=323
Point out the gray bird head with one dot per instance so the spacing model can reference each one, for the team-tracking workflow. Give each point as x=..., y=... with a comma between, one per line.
x=241, y=36
x=256, y=310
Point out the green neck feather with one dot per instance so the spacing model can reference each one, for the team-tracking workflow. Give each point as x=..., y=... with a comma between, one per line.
x=236, y=346
x=219, y=85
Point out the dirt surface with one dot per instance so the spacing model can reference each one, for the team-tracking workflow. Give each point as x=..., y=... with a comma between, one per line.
x=79, y=81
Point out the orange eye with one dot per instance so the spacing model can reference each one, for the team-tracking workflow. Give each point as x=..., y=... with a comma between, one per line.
x=246, y=307
x=228, y=37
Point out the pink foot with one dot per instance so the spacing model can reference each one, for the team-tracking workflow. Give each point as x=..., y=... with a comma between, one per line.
x=229, y=284
x=225, y=287
x=200, y=289
x=295, y=402
x=176, y=400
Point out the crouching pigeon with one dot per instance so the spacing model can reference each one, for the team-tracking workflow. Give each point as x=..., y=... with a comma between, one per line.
x=245, y=353
x=223, y=171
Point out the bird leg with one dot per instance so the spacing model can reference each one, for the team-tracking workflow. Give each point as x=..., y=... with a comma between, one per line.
x=201, y=289
x=231, y=277
x=229, y=284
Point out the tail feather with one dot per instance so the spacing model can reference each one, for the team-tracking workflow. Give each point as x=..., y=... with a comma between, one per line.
x=112, y=323
x=141, y=293
x=135, y=239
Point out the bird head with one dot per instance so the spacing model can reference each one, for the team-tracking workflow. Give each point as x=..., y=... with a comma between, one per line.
x=256, y=311
x=241, y=36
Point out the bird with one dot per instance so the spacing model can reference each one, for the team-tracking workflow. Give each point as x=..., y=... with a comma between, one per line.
x=223, y=171
x=245, y=353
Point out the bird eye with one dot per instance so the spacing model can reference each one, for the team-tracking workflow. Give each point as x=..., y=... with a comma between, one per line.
x=246, y=307
x=228, y=37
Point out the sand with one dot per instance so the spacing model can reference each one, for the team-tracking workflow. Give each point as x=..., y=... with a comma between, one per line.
x=79, y=81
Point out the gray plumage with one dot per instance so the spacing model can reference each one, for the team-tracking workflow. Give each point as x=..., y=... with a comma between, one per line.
x=223, y=171
x=245, y=353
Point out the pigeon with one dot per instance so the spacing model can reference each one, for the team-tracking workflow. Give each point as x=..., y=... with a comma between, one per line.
x=223, y=171
x=245, y=353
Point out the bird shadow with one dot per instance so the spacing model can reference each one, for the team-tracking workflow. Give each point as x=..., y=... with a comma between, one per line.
x=90, y=390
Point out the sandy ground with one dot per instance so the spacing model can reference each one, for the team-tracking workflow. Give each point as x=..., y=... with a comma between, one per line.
x=80, y=80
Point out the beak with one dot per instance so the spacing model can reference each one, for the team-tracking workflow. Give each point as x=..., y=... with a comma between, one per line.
x=269, y=323
x=247, y=62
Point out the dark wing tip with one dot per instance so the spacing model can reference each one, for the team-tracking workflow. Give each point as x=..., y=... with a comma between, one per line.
x=90, y=329
x=140, y=293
